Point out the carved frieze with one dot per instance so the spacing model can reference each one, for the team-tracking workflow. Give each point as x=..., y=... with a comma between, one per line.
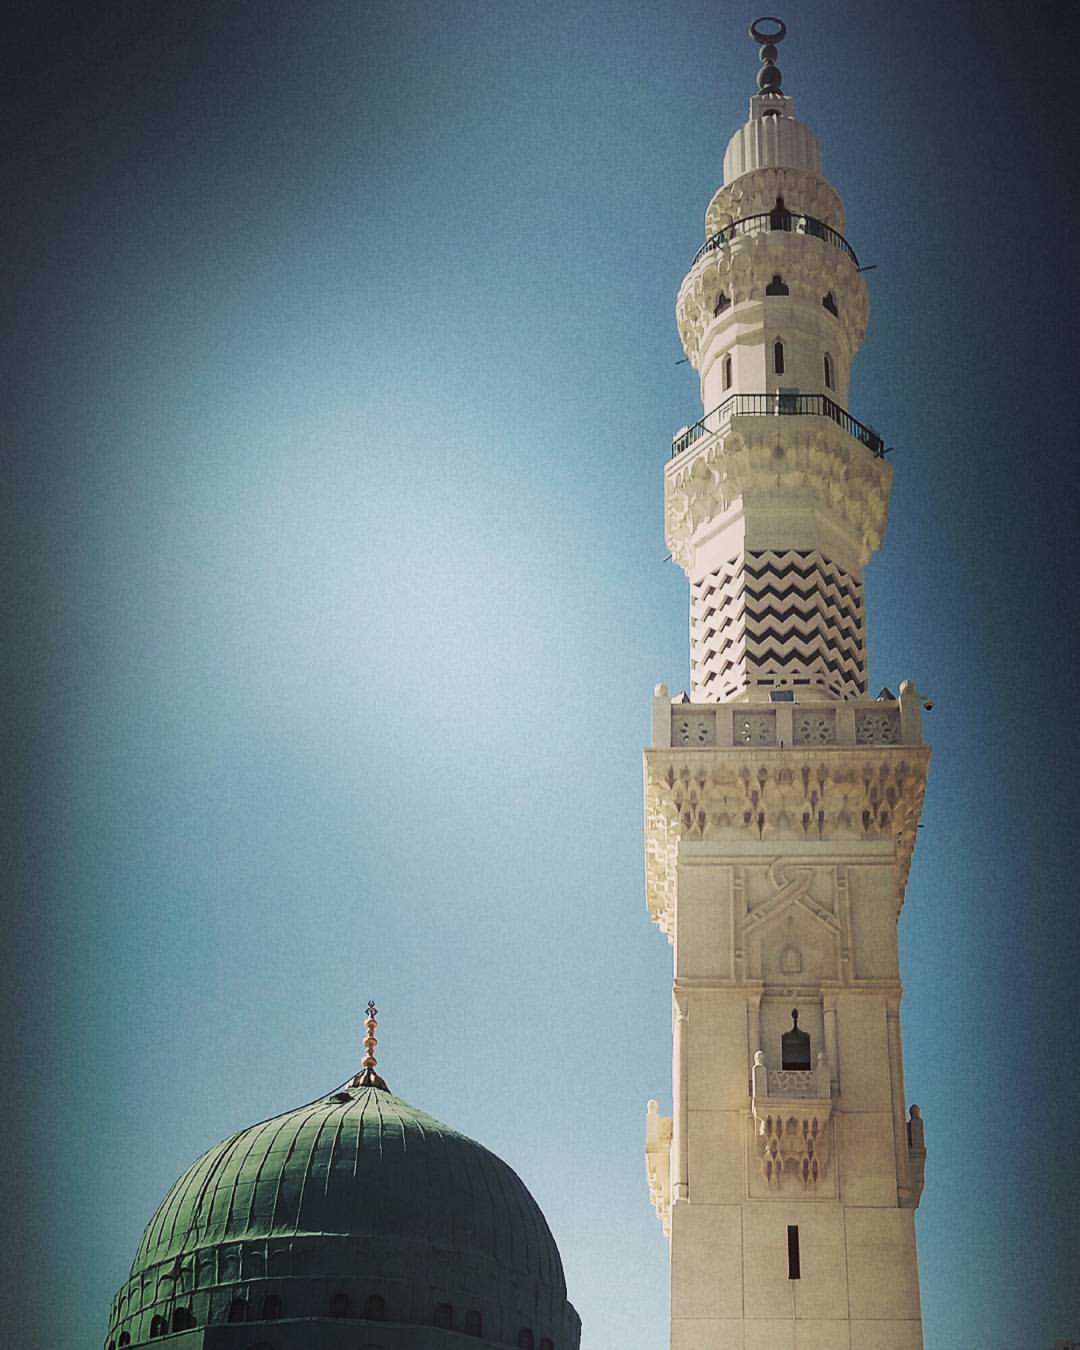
x=758, y=190
x=840, y=796
x=818, y=462
x=744, y=266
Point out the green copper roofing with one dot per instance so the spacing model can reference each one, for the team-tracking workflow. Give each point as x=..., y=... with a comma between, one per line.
x=360, y=1193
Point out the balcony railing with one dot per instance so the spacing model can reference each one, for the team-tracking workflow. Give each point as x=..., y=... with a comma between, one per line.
x=792, y=221
x=778, y=405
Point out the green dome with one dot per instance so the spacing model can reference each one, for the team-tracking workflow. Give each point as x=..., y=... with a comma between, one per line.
x=356, y=1206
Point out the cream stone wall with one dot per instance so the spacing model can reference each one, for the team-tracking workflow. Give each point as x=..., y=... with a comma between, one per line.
x=781, y=803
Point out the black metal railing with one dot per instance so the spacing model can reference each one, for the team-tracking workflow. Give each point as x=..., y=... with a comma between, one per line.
x=778, y=405
x=792, y=221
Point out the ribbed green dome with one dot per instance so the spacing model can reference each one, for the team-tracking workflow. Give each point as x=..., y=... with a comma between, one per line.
x=354, y=1197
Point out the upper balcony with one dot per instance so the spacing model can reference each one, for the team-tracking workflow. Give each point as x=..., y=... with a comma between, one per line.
x=791, y=718
x=778, y=404
x=793, y=222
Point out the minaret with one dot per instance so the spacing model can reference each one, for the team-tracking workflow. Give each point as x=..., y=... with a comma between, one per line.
x=781, y=803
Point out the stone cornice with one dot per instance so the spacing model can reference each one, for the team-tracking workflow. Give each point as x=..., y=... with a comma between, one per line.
x=818, y=464
x=872, y=794
x=759, y=189
x=745, y=265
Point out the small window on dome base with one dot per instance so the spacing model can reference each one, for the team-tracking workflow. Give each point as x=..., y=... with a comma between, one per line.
x=474, y=1323
x=443, y=1317
x=777, y=286
x=340, y=1305
x=375, y=1308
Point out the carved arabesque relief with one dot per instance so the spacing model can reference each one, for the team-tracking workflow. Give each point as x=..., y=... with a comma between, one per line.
x=758, y=190
x=841, y=797
x=793, y=1145
x=820, y=464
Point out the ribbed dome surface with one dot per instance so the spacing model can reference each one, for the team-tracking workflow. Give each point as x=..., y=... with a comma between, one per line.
x=370, y=1165
x=357, y=1191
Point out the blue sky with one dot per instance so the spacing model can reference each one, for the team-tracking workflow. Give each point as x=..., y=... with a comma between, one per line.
x=337, y=409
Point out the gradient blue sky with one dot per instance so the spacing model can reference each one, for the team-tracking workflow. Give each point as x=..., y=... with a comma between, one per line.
x=336, y=413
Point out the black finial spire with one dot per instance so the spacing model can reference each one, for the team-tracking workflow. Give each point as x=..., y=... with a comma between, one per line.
x=767, y=32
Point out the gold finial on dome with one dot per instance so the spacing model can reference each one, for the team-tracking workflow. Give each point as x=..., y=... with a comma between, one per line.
x=367, y=1077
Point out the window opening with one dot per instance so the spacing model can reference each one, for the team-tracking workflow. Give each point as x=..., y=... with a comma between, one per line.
x=271, y=1308
x=339, y=1305
x=828, y=372
x=443, y=1316
x=158, y=1326
x=777, y=286
x=474, y=1323
x=182, y=1319
x=238, y=1310
x=793, y=1252
x=778, y=357
x=722, y=303
x=829, y=303
x=795, y=1046
x=525, y=1339
x=375, y=1308
x=727, y=372
x=779, y=216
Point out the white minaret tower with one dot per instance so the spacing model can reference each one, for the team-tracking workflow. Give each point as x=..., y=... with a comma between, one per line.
x=781, y=803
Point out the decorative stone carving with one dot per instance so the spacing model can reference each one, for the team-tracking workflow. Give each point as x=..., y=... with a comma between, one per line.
x=742, y=267
x=816, y=728
x=821, y=465
x=911, y=1194
x=658, y=1131
x=877, y=726
x=838, y=795
x=791, y=1110
x=758, y=190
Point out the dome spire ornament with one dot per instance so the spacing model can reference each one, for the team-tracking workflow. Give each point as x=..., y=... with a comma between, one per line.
x=367, y=1077
x=767, y=32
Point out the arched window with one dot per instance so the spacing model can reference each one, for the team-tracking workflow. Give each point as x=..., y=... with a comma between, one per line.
x=727, y=371
x=722, y=303
x=546, y=1344
x=443, y=1316
x=271, y=1308
x=795, y=1046
x=474, y=1323
x=182, y=1320
x=125, y=1338
x=238, y=1310
x=158, y=1325
x=778, y=357
x=525, y=1339
x=111, y=1346
x=777, y=286
x=339, y=1305
x=829, y=372
x=828, y=300
x=375, y=1308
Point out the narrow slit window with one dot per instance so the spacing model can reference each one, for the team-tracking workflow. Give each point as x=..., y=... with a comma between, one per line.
x=727, y=372
x=778, y=286
x=722, y=303
x=340, y=1305
x=793, y=1252
x=829, y=303
x=829, y=372
x=778, y=357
